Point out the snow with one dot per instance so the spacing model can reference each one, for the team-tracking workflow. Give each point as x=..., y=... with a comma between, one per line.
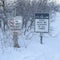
x=31, y=49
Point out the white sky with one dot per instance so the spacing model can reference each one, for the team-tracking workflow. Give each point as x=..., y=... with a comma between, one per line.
x=58, y=1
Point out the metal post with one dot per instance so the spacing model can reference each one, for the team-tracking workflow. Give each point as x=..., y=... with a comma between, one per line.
x=41, y=37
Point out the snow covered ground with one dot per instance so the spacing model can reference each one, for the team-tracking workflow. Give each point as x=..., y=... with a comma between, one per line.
x=49, y=50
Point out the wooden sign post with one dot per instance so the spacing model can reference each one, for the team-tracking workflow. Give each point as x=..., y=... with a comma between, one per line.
x=15, y=25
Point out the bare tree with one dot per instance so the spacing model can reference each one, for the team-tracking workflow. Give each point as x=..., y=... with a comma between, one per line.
x=27, y=9
x=4, y=17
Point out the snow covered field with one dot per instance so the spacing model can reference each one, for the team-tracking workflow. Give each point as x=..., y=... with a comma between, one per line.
x=49, y=50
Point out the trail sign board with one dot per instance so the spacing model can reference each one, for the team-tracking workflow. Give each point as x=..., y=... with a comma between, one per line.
x=41, y=23
x=15, y=23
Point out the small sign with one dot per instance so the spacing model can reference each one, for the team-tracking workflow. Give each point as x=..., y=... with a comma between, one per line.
x=15, y=23
x=11, y=23
x=42, y=22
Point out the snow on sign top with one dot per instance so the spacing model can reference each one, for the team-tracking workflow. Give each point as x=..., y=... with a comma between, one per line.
x=41, y=22
x=18, y=18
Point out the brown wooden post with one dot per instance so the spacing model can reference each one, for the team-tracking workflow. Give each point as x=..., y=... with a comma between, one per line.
x=15, y=39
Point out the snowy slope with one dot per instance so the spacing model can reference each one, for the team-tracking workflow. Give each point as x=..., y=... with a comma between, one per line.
x=49, y=50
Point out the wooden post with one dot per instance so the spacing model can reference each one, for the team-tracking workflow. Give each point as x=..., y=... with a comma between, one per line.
x=15, y=39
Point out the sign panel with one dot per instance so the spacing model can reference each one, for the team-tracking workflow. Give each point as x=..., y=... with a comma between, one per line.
x=42, y=23
x=10, y=24
x=15, y=23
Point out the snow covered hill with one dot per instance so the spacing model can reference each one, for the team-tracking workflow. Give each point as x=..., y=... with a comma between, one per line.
x=49, y=50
